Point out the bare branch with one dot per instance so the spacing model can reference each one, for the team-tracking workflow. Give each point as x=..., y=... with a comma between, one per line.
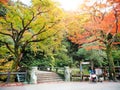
x=40, y=12
x=32, y=18
x=116, y=19
x=12, y=28
x=39, y=32
x=2, y=33
x=22, y=19
x=43, y=29
x=8, y=47
x=42, y=39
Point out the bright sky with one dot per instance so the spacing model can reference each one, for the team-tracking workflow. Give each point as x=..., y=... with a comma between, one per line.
x=68, y=5
x=27, y=2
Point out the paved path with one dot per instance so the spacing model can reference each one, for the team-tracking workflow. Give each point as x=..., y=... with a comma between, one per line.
x=68, y=86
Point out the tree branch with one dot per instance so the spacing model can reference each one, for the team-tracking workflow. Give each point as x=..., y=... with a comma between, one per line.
x=40, y=31
x=116, y=19
x=2, y=33
x=8, y=47
x=38, y=40
x=43, y=29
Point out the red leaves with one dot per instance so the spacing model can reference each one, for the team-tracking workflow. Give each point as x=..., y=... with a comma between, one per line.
x=84, y=38
x=114, y=1
x=93, y=29
x=110, y=24
x=106, y=23
x=4, y=1
x=115, y=43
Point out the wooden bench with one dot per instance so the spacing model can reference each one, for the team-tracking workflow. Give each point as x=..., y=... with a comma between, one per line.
x=83, y=76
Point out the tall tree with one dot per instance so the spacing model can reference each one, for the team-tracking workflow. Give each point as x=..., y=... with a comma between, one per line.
x=24, y=25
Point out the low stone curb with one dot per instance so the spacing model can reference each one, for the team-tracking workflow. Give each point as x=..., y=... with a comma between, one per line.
x=10, y=84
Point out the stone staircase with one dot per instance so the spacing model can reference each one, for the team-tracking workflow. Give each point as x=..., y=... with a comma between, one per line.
x=44, y=76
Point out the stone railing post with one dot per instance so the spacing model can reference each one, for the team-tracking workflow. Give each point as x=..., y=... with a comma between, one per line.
x=67, y=74
x=33, y=77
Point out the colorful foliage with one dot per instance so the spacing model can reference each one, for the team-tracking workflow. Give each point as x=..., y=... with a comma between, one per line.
x=5, y=66
x=4, y=1
x=100, y=26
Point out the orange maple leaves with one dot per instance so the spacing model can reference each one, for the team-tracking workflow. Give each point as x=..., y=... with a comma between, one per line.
x=114, y=1
x=110, y=24
x=4, y=1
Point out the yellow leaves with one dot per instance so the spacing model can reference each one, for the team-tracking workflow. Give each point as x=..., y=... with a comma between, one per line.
x=2, y=60
x=9, y=64
x=41, y=5
x=31, y=24
x=5, y=67
x=27, y=35
x=14, y=18
x=75, y=22
x=37, y=24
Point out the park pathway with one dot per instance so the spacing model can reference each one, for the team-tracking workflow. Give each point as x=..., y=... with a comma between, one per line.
x=67, y=86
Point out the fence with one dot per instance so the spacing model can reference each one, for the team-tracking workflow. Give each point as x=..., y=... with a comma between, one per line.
x=21, y=76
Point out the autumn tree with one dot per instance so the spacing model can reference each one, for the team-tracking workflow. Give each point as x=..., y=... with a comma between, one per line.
x=109, y=26
x=74, y=22
x=25, y=25
x=102, y=28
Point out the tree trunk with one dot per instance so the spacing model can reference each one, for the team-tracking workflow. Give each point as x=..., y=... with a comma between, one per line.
x=112, y=74
x=92, y=64
x=15, y=67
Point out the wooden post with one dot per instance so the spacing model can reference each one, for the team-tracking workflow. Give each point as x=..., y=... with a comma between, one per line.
x=81, y=70
x=8, y=78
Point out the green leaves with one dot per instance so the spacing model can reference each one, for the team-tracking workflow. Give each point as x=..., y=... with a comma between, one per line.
x=3, y=10
x=97, y=56
x=36, y=26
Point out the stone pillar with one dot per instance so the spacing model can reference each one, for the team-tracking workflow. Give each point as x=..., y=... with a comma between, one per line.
x=33, y=77
x=67, y=74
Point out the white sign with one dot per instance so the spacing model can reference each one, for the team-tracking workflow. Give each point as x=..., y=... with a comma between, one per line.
x=85, y=62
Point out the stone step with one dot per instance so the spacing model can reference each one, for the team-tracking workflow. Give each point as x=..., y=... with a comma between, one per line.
x=44, y=81
x=49, y=79
x=47, y=76
x=43, y=77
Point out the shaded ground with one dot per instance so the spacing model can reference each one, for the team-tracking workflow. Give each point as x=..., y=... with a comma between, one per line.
x=68, y=86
